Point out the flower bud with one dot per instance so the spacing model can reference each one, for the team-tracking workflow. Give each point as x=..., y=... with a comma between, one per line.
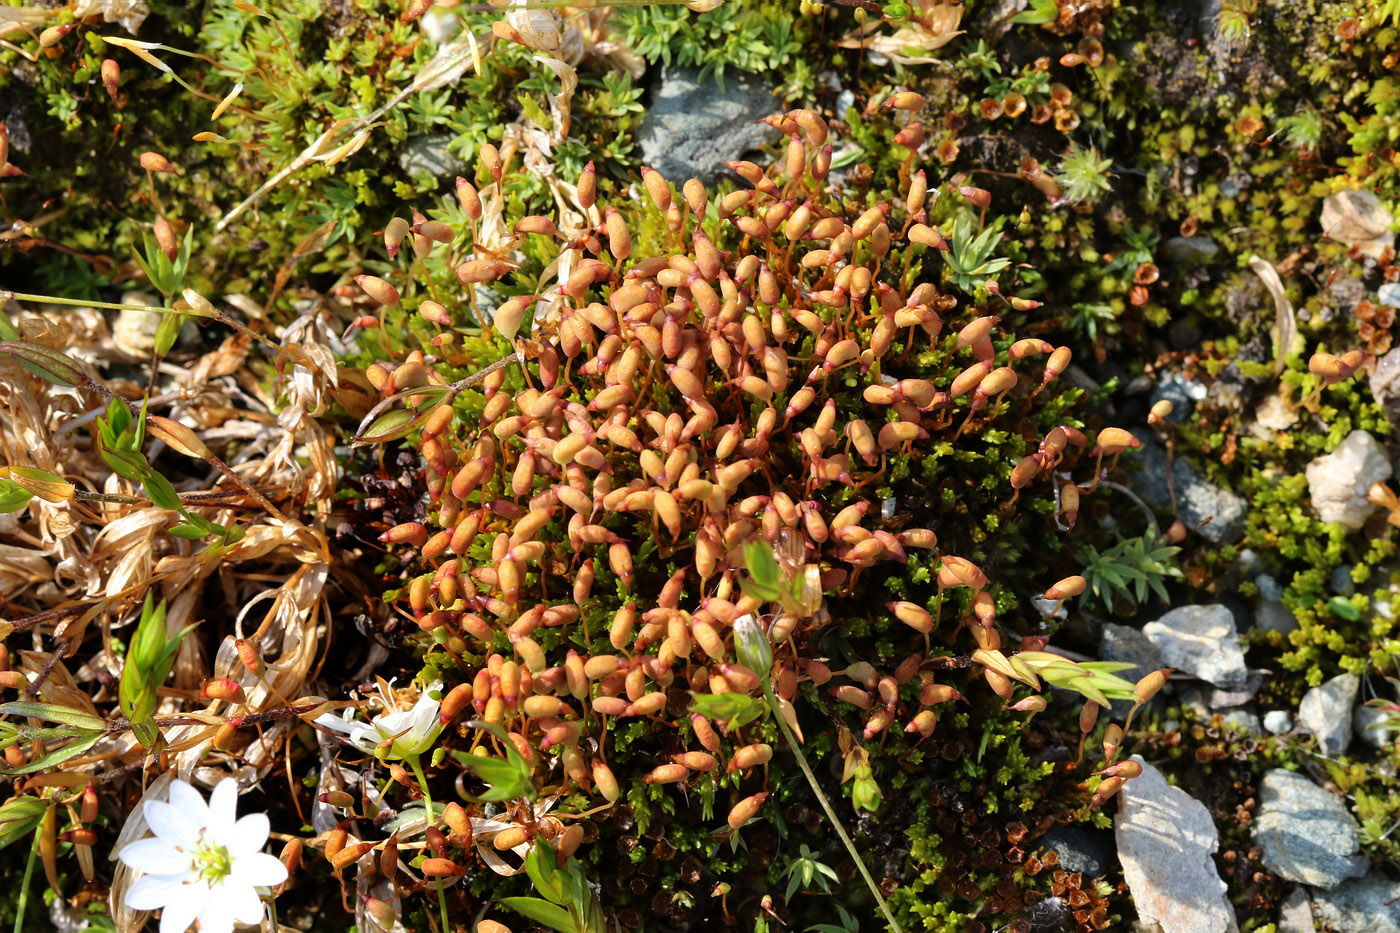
x=177, y=436
x=43, y=484
x=51, y=365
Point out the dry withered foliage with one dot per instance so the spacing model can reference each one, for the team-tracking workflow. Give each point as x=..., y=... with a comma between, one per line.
x=74, y=573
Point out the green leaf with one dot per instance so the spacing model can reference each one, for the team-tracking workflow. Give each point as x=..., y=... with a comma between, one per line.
x=167, y=332
x=160, y=490
x=541, y=866
x=59, y=755
x=752, y=645
x=734, y=709
x=762, y=566
x=18, y=817
x=509, y=778
x=53, y=713
x=390, y=426
x=1342, y=607
x=13, y=496
x=541, y=911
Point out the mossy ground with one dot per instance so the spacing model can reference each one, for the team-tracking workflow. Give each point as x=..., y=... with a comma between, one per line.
x=1233, y=131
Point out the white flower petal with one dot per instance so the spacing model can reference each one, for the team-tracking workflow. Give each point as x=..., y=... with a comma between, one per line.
x=223, y=810
x=173, y=824
x=181, y=911
x=155, y=856
x=336, y=723
x=241, y=902
x=155, y=891
x=249, y=834
x=215, y=916
x=393, y=723
x=189, y=802
x=258, y=870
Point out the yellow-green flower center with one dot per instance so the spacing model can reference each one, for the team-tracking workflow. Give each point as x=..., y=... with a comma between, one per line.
x=212, y=862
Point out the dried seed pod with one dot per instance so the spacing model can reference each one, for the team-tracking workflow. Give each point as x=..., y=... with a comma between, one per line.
x=916, y=617
x=658, y=189
x=155, y=162
x=111, y=80
x=666, y=774
x=750, y=756
x=587, y=186
x=746, y=810
x=904, y=100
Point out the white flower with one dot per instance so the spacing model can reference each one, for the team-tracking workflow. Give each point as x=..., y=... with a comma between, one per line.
x=202, y=862
x=407, y=732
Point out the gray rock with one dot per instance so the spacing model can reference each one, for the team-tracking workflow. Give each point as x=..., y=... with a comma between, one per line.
x=1209, y=699
x=1343, y=295
x=1190, y=251
x=692, y=125
x=1243, y=721
x=1372, y=726
x=1340, y=581
x=1326, y=712
x=1201, y=641
x=1208, y=702
x=1295, y=913
x=1385, y=384
x=428, y=155
x=1304, y=833
x=1080, y=848
x=1278, y=721
x=1338, y=481
x=1129, y=645
x=1356, y=217
x=1362, y=905
x=1181, y=392
x=1165, y=840
x=1389, y=294
x=1274, y=616
x=1197, y=501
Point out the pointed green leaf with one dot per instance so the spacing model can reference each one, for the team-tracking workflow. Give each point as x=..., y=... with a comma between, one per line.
x=59, y=755
x=541, y=911
x=53, y=713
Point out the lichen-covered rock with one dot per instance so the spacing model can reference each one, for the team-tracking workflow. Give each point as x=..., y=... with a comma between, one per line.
x=1326, y=712
x=1201, y=641
x=429, y=155
x=1363, y=904
x=1357, y=218
x=1295, y=913
x=1337, y=482
x=1304, y=833
x=1385, y=384
x=1129, y=645
x=1165, y=840
x=1080, y=848
x=693, y=125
